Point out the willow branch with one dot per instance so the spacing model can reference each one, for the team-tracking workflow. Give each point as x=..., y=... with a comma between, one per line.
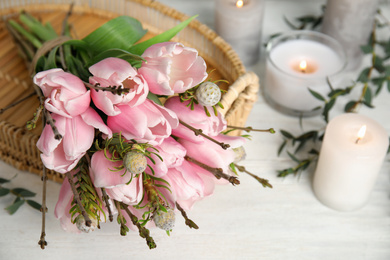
x=263, y=182
x=118, y=90
x=143, y=232
x=105, y=198
x=200, y=132
x=2, y=110
x=42, y=242
x=76, y=195
x=217, y=172
x=188, y=222
x=249, y=129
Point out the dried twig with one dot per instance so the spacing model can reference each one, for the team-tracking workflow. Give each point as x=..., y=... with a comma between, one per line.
x=217, y=172
x=2, y=110
x=200, y=132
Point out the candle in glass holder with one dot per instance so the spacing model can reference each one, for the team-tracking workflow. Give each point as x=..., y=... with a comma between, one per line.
x=350, y=22
x=239, y=22
x=352, y=152
x=297, y=61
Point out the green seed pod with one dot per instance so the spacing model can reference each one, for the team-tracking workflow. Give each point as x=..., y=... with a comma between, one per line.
x=165, y=220
x=208, y=94
x=240, y=154
x=135, y=162
x=80, y=223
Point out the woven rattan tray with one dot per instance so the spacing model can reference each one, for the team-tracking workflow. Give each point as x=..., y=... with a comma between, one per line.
x=18, y=145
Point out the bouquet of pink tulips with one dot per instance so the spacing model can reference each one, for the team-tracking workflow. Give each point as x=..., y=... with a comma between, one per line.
x=123, y=152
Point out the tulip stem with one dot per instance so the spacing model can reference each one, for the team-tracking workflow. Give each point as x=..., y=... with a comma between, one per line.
x=217, y=172
x=2, y=110
x=143, y=232
x=200, y=132
x=249, y=129
x=63, y=31
x=42, y=242
x=263, y=182
x=105, y=198
x=188, y=222
x=88, y=221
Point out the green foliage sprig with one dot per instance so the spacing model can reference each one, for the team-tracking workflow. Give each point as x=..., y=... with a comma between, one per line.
x=371, y=80
x=22, y=196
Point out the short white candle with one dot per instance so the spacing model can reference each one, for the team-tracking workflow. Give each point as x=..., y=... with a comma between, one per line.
x=349, y=164
x=239, y=22
x=287, y=85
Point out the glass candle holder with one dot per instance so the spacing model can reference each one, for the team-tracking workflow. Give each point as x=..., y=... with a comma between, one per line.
x=296, y=62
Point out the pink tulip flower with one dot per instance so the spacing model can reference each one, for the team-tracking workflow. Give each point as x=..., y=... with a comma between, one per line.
x=197, y=118
x=172, y=68
x=146, y=123
x=172, y=154
x=117, y=72
x=77, y=137
x=65, y=93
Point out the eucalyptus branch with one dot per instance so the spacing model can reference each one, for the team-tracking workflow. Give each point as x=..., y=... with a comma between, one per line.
x=105, y=198
x=250, y=129
x=118, y=90
x=188, y=222
x=301, y=165
x=200, y=132
x=217, y=172
x=263, y=182
x=88, y=221
x=2, y=110
x=143, y=232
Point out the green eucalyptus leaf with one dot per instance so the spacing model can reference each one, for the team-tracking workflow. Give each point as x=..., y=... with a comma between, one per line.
x=120, y=33
x=23, y=192
x=282, y=147
x=388, y=85
x=366, y=49
x=4, y=191
x=163, y=37
x=287, y=134
x=378, y=64
x=2, y=180
x=34, y=204
x=368, y=96
x=293, y=157
x=317, y=95
x=350, y=105
x=363, y=76
x=14, y=207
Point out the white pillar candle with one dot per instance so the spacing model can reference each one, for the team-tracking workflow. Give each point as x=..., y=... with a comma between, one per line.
x=239, y=22
x=349, y=164
x=286, y=87
x=350, y=22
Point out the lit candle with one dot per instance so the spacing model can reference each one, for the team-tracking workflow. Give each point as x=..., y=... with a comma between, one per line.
x=297, y=61
x=350, y=22
x=351, y=156
x=239, y=23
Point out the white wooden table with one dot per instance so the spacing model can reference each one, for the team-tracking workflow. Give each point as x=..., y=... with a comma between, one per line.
x=242, y=222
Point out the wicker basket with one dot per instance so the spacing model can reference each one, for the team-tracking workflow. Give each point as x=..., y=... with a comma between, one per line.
x=18, y=146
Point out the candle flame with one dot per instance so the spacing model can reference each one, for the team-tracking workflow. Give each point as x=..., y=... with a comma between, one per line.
x=303, y=66
x=361, y=133
x=239, y=3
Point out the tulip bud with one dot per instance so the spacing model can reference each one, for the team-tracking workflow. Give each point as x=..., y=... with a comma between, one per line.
x=208, y=94
x=135, y=162
x=165, y=220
